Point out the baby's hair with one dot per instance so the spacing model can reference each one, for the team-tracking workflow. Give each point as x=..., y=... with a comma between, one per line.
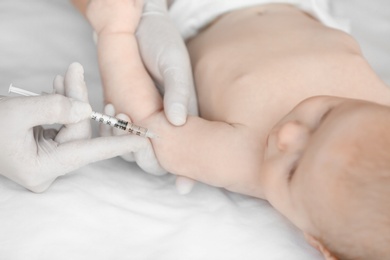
x=365, y=229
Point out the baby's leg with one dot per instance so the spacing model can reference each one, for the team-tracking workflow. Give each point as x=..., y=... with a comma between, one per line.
x=127, y=84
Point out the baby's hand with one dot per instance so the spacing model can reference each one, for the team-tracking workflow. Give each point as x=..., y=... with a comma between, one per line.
x=114, y=16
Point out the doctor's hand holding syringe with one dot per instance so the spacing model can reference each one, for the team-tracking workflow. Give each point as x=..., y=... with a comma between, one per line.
x=34, y=156
x=48, y=154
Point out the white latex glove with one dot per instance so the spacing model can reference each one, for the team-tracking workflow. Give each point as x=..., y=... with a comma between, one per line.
x=165, y=56
x=33, y=156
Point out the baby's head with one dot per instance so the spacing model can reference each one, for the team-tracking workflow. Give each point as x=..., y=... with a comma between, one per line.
x=327, y=169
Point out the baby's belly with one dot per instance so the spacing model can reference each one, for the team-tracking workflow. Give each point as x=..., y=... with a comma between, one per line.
x=252, y=66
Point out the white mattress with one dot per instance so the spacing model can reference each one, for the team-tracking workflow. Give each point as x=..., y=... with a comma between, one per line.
x=111, y=209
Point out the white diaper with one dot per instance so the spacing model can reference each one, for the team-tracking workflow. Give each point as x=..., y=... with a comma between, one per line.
x=192, y=15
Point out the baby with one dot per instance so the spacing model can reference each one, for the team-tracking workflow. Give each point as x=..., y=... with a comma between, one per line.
x=290, y=112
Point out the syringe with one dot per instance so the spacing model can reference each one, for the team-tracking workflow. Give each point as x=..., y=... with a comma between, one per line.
x=101, y=118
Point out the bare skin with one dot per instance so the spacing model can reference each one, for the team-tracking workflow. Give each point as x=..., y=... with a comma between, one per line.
x=278, y=58
x=252, y=68
x=273, y=64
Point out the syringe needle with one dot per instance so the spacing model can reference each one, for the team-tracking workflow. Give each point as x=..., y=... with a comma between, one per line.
x=20, y=91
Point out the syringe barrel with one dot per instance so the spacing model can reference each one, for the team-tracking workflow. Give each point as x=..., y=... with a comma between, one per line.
x=105, y=119
x=137, y=130
x=121, y=124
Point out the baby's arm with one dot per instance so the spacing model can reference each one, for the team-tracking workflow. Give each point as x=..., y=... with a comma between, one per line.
x=126, y=83
x=216, y=153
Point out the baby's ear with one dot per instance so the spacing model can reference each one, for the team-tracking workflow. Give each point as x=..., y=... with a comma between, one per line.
x=314, y=242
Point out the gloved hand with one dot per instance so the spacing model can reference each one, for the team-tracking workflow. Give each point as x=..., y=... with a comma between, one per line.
x=166, y=58
x=34, y=156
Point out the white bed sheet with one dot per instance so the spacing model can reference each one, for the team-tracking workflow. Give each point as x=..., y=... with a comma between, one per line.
x=111, y=209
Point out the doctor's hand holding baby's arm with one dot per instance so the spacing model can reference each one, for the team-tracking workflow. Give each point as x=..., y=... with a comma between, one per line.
x=34, y=156
x=297, y=117
x=166, y=58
